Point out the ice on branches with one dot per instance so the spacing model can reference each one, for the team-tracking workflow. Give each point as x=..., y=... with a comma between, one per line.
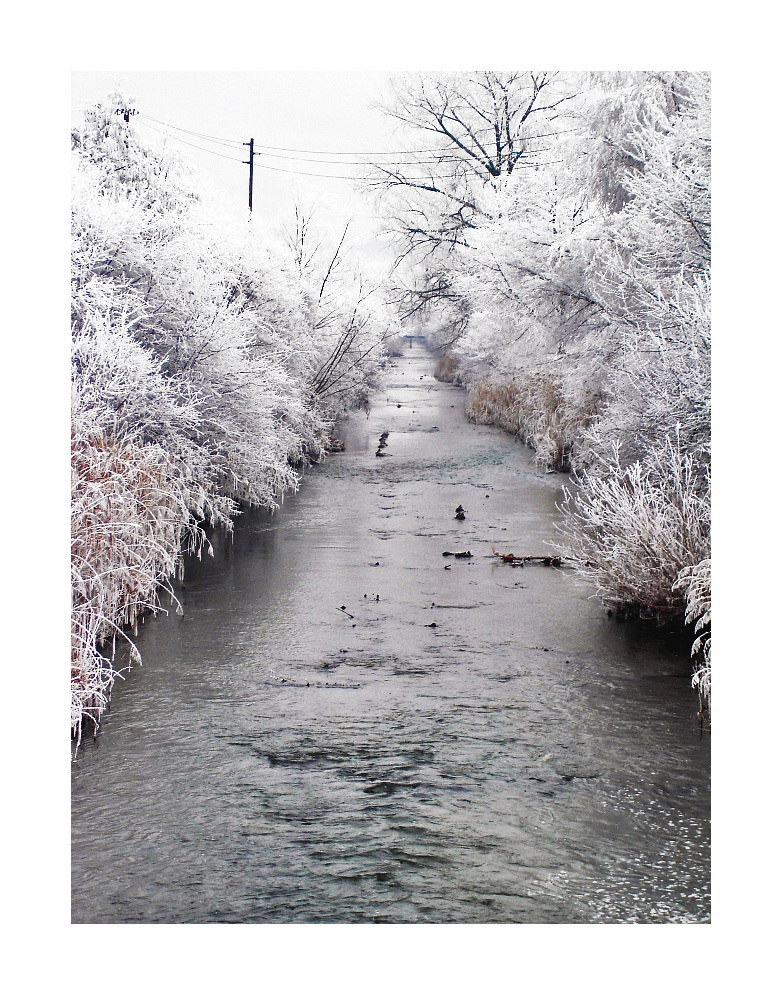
x=633, y=529
x=561, y=265
x=695, y=581
x=207, y=365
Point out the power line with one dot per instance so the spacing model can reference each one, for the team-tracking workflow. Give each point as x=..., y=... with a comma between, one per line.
x=381, y=165
x=200, y=148
x=197, y=134
x=301, y=172
x=276, y=169
x=314, y=162
x=387, y=167
x=278, y=148
x=317, y=152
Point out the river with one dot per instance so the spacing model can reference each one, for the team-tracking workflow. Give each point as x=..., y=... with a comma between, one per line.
x=346, y=726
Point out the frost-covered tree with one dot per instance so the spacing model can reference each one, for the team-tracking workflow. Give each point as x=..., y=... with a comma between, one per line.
x=202, y=376
x=640, y=526
x=349, y=311
x=572, y=291
x=660, y=382
x=464, y=131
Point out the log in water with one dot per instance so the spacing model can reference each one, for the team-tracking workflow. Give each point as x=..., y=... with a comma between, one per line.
x=346, y=726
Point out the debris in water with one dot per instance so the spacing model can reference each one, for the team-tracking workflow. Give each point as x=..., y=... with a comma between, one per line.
x=333, y=445
x=290, y=683
x=519, y=561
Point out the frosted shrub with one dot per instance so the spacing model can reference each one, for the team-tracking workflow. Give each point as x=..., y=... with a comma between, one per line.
x=204, y=370
x=129, y=523
x=633, y=530
x=447, y=368
x=695, y=581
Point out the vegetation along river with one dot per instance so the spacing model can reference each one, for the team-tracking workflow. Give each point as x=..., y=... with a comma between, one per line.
x=346, y=726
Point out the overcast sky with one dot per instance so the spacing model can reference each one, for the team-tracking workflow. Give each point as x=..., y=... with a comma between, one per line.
x=320, y=113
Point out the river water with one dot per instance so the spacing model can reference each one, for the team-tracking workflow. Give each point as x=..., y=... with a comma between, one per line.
x=346, y=726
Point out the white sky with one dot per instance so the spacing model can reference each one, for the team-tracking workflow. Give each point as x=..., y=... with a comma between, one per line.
x=326, y=112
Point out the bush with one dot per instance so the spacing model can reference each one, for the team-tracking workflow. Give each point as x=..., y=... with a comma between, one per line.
x=696, y=583
x=446, y=368
x=129, y=522
x=633, y=530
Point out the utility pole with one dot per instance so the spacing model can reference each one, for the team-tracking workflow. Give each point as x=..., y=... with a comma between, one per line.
x=250, y=163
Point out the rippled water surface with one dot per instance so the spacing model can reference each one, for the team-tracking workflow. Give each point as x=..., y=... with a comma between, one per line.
x=463, y=742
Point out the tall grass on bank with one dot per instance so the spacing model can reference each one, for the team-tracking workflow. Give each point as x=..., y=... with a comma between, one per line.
x=541, y=407
x=129, y=525
x=447, y=368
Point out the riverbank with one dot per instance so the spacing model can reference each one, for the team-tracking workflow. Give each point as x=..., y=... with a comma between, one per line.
x=574, y=303
x=207, y=364
x=639, y=531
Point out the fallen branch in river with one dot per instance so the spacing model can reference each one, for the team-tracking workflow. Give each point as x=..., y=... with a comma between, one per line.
x=464, y=555
x=546, y=561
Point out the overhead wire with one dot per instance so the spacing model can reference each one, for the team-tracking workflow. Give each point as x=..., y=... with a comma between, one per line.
x=315, y=152
x=197, y=134
x=279, y=148
x=192, y=145
x=259, y=165
x=387, y=166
